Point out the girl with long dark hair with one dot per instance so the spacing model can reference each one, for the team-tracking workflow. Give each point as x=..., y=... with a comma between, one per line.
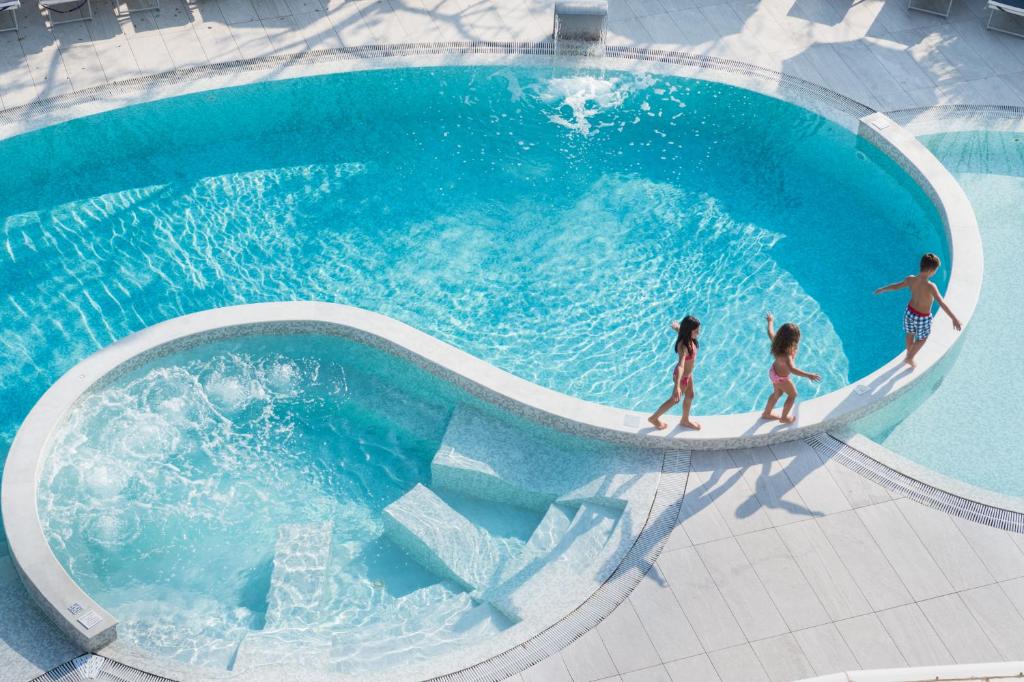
x=682, y=376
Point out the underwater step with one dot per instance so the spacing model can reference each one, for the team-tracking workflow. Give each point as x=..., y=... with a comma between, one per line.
x=536, y=585
x=544, y=538
x=301, y=555
x=437, y=632
x=443, y=540
x=283, y=647
x=492, y=460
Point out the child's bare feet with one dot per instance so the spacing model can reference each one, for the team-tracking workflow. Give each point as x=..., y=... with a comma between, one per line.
x=689, y=424
x=769, y=415
x=910, y=362
x=658, y=424
x=787, y=420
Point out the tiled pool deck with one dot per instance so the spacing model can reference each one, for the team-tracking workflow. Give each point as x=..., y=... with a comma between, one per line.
x=784, y=564
x=871, y=50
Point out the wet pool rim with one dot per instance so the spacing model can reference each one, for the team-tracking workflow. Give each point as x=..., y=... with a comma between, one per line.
x=56, y=591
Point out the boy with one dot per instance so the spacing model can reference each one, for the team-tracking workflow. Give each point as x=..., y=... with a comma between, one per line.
x=917, y=320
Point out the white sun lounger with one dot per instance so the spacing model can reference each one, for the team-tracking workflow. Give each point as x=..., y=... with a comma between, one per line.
x=11, y=7
x=1011, y=16
x=78, y=10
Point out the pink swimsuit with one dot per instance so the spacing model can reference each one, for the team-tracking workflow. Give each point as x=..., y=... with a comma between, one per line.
x=775, y=376
x=679, y=368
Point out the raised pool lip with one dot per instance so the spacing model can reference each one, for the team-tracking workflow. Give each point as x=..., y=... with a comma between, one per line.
x=55, y=590
x=739, y=430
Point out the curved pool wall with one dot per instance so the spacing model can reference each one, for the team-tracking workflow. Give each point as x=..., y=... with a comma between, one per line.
x=836, y=407
x=720, y=432
x=72, y=608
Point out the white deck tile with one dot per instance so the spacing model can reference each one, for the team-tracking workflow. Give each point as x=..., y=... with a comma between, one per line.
x=810, y=479
x=824, y=570
x=868, y=565
x=741, y=588
x=1002, y=56
x=783, y=659
x=551, y=669
x=271, y=9
x=694, y=28
x=661, y=29
x=83, y=66
x=184, y=46
x=316, y=29
x=705, y=608
x=738, y=664
x=283, y=35
x=946, y=544
x=698, y=517
x=897, y=62
x=150, y=52
x=626, y=640
x=656, y=673
x=730, y=494
x=904, y=551
x=238, y=11
x=172, y=14
x=914, y=637
x=862, y=60
x=994, y=90
x=958, y=629
x=694, y=669
x=858, y=490
x=645, y=8
x=663, y=619
x=251, y=39
x=870, y=643
x=998, y=618
x=764, y=474
x=48, y=72
x=628, y=32
x=217, y=41
x=587, y=660
x=304, y=6
x=349, y=24
x=783, y=580
x=825, y=649
x=678, y=538
x=996, y=548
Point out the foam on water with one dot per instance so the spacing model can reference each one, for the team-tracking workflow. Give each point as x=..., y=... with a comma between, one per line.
x=155, y=481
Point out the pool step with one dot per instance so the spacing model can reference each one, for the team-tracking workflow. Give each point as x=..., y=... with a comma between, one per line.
x=441, y=539
x=490, y=459
x=545, y=537
x=529, y=590
x=301, y=556
x=440, y=626
x=286, y=647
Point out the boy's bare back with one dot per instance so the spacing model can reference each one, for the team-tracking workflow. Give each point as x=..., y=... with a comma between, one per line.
x=922, y=292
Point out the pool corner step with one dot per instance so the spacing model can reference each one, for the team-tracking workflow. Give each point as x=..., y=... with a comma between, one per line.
x=486, y=458
x=441, y=539
x=531, y=588
x=301, y=556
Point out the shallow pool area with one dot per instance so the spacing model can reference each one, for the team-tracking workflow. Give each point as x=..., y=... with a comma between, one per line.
x=550, y=222
x=303, y=499
x=966, y=423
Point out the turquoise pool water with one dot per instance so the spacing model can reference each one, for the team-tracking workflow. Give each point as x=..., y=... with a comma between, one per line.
x=549, y=222
x=165, y=493
x=969, y=426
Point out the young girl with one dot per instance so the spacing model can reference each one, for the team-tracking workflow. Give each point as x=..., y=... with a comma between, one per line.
x=682, y=375
x=785, y=344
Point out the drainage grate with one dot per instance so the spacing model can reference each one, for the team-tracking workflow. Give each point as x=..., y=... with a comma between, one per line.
x=916, y=490
x=956, y=111
x=627, y=575
x=789, y=84
x=92, y=667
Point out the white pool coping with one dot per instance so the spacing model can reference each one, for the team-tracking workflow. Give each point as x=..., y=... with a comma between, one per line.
x=68, y=605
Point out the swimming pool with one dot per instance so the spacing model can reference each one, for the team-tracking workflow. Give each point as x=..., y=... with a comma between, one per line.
x=968, y=426
x=261, y=498
x=550, y=222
